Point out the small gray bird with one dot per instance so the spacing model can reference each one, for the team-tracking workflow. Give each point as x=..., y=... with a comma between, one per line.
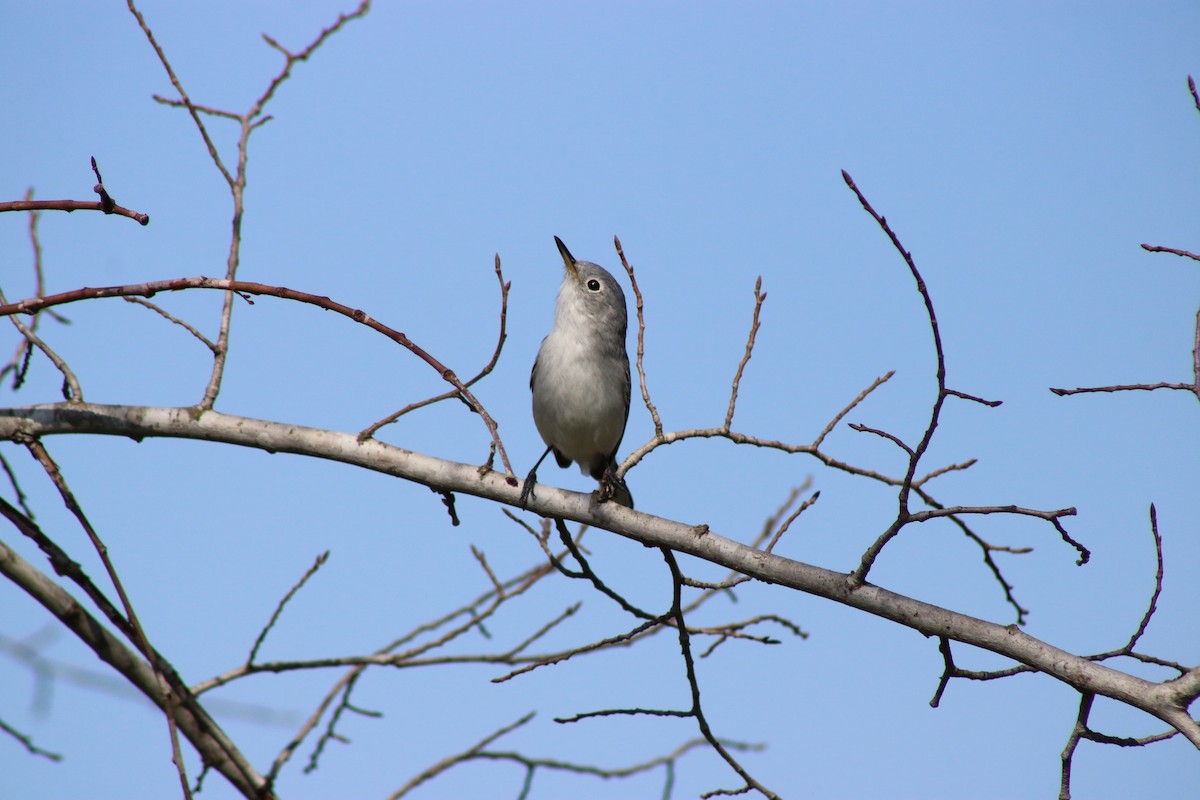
x=580, y=380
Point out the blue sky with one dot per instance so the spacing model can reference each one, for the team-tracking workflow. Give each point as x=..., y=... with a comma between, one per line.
x=1022, y=151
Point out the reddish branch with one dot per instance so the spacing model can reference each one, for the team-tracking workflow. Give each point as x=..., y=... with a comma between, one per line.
x=74, y=205
x=243, y=288
x=105, y=204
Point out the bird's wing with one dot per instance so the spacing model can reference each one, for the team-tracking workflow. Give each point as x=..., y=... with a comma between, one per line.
x=533, y=372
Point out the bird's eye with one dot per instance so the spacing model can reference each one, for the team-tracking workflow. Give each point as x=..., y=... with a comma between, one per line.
x=593, y=285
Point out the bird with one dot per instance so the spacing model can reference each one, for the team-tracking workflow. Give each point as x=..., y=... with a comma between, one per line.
x=580, y=378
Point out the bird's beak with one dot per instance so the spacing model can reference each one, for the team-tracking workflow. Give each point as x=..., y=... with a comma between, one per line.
x=567, y=258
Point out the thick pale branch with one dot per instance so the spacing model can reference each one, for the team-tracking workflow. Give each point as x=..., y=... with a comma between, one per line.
x=1166, y=701
x=204, y=734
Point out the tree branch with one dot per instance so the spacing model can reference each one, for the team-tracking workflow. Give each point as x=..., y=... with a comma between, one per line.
x=1166, y=701
x=149, y=289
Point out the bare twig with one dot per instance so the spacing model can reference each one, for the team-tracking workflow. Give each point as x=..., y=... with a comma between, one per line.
x=970, y=462
x=884, y=435
x=478, y=752
x=1158, y=583
x=370, y=430
x=641, y=337
x=787, y=523
x=71, y=390
x=27, y=742
x=105, y=204
x=841, y=414
x=22, y=357
x=467, y=755
x=262, y=636
x=209, y=343
x=73, y=205
x=465, y=618
x=1152, y=248
x=1077, y=732
x=565, y=655
x=1128, y=387
x=587, y=573
x=16, y=485
x=759, y=297
x=987, y=550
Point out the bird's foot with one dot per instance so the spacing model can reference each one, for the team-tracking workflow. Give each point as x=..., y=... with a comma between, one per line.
x=527, y=490
x=613, y=488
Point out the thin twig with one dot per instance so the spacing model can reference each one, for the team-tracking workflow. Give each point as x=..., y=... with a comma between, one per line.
x=641, y=337
x=72, y=391
x=759, y=297
x=27, y=743
x=1068, y=753
x=1128, y=387
x=1158, y=583
x=452, y=761
x=875, y=384
x=16, y=485
x=1153, y=248
x=370, y=430
x=175, y=320
x=787, y=523
x=106, y=204
x=262, y=636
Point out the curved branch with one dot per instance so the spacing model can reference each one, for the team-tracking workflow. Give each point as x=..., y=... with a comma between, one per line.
x=1167, y=701
x=204, y=734
x=151, y=288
